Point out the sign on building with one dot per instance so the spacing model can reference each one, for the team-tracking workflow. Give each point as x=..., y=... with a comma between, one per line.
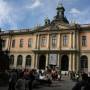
x=53, y=59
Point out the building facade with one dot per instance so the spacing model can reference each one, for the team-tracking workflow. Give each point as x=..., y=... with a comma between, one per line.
x=58, y=43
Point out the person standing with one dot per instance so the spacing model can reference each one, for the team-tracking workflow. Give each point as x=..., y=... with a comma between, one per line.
x=81, y=85
x=12, y=80
x=31, y=79
x=20, y=84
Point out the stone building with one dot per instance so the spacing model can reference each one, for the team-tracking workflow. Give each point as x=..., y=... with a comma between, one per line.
x=58, y=43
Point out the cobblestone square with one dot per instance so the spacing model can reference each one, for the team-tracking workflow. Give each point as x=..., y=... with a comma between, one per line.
x=64, y=84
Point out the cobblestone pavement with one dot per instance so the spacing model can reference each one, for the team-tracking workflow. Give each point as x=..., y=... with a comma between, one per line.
x=64, y=84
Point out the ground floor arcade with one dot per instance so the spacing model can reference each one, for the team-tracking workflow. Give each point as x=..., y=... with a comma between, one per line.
x=63, y=61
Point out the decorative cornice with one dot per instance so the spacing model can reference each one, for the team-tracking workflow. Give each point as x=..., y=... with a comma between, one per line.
x=21, y=51
x=48, y=28
x=85, y=51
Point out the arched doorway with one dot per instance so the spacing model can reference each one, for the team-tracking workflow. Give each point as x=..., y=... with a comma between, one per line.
x=42, y=62
x=64, y=63
x=28, y=61
x=84, y=63
x=19, y=60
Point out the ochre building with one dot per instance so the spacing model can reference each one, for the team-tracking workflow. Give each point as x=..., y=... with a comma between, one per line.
x=58, y=43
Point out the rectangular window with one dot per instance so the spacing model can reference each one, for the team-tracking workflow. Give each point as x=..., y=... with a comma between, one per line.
x=3, y=43
x=54, y=41
x=84, y=41
x=43, y=41
x=21, y=43
x=65, y=40
x=30, y=42
x=13, y=43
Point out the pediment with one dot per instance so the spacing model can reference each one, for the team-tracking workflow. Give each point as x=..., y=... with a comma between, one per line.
x=64, y=26
x=56, y=27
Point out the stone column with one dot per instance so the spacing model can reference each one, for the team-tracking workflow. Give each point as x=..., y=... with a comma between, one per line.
x=47, y=59
x=48, y=41
x=70, y=58
x=15, y=61
x=24, y=61
x=60, y=51
x=34, y=60
x=58, y=41
x=77, y=41
x=73, y=62
x=70, y=42
x=58, y=60
x=74, y=40
x=38, y=41
x=37, y=61
x=78, y=62
x=71, y=36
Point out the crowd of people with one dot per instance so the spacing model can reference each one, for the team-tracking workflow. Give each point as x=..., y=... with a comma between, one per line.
x=23, y=79
x=83, y=84
x=26, y=79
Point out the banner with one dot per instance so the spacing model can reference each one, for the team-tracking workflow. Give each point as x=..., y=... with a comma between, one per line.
x=53, y=59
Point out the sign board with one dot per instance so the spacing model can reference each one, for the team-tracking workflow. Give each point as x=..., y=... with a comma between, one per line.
x=53, y=59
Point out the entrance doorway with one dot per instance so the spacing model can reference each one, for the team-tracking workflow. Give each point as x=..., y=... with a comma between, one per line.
x=64, y=63
x=42, y=62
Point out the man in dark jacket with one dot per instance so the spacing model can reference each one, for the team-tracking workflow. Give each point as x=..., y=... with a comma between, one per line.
x=31, y=79
x=82, y=85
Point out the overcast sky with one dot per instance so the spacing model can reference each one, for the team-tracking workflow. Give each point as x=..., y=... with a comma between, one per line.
x=19, y=14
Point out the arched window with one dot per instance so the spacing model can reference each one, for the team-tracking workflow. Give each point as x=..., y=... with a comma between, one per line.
x=28, y=60
x=21, y=43
x=19, y=60
x=84, y=61
x=11, y=60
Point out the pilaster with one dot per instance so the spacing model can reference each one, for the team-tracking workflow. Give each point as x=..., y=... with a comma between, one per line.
x=70, y=58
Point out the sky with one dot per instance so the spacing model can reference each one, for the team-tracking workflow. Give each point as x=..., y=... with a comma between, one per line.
x=24, y=14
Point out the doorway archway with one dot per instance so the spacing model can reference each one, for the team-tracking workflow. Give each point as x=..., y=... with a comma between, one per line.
x=64, y=63
x=42, y=62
